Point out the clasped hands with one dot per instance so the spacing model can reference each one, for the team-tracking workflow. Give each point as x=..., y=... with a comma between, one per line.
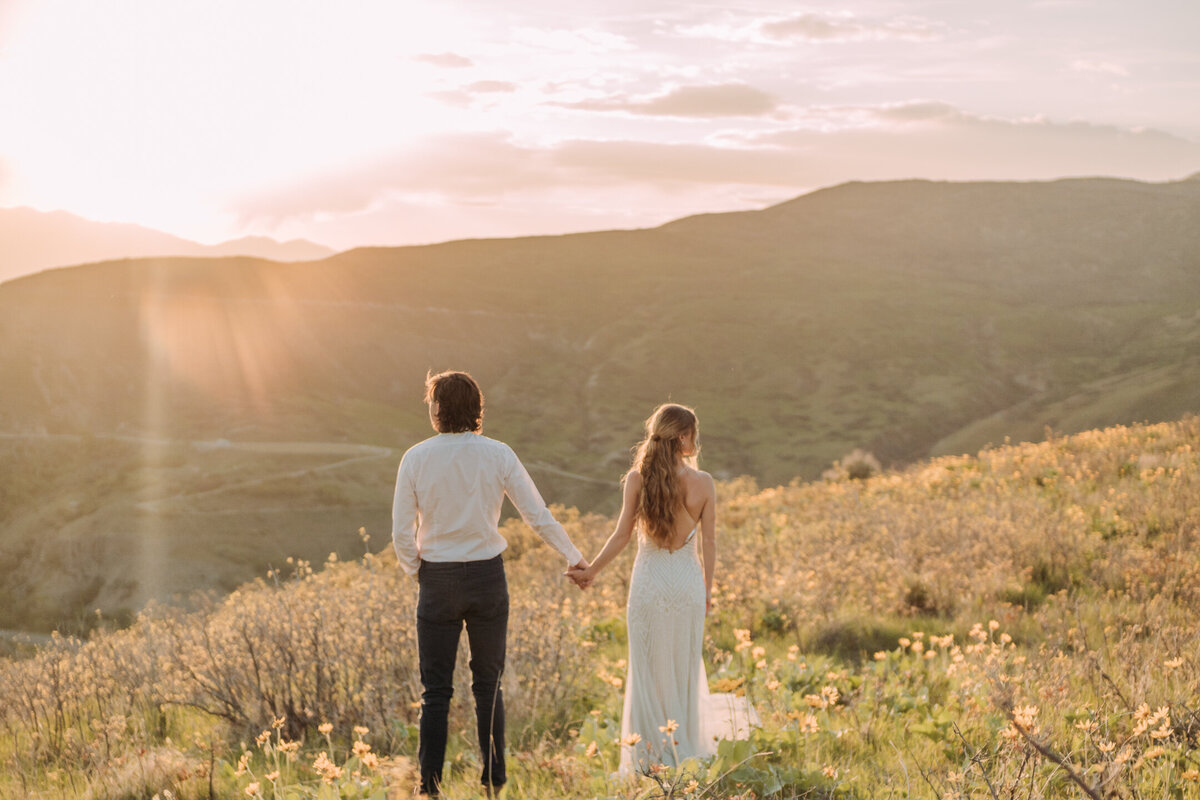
x=581, y=574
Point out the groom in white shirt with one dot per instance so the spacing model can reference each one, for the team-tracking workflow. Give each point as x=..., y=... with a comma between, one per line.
x=445, y=517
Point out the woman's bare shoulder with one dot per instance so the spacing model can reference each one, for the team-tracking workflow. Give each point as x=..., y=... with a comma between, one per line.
x=698, y=482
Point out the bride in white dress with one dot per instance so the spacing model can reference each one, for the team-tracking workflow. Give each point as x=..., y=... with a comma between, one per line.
x=669, y=715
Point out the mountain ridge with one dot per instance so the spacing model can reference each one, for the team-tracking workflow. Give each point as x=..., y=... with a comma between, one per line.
x=32, y=241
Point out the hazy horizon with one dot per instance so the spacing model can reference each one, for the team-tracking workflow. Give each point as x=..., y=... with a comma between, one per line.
x=367, y=125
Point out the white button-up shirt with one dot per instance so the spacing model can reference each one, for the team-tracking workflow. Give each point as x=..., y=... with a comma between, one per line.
x=449, y=491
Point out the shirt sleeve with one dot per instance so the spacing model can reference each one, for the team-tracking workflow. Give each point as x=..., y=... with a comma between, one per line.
x=524, y=494
x=405, y=516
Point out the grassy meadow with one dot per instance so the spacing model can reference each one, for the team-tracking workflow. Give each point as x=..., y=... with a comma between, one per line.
x=1018, y=624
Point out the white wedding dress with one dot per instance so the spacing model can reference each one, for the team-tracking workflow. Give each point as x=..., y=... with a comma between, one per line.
x=666, y=680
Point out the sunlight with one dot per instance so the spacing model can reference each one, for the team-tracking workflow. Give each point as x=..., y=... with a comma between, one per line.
x=235, y=340
x=186, y=103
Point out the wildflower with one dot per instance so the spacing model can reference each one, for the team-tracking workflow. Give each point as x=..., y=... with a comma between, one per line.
x=592, y=750
x=793, y=652
x=1105, y=746
x=273, y=775
x=1153, y=752
x=253, y=789
x=905, y=642
x=243, y=763
x=370, y=761
x=262, y=738
x=829, y=771
x=361, y=748
x=993, y=625
x=692, y=786
x=808, y=724
x=670, y=727
x=1173, y=664
x=1192, y=775
x=328, y=770
x=361, y=730
x=278, y=723
x=1024, y=716
x=326, y=728
x=880, y=655
x=631, y=739
x=758, y=652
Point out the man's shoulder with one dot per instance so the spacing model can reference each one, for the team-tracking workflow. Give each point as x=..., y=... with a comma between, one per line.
x=494, y=446
x=474, y=441
x=419, y=448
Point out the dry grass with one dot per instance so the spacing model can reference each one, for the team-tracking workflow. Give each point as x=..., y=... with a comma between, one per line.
x=1018, y=624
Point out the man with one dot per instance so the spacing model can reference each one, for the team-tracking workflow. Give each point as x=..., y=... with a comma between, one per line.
x=449, y=491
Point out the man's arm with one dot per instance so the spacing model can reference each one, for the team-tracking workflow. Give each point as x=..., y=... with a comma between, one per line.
x=524, y=494
x=405, y=514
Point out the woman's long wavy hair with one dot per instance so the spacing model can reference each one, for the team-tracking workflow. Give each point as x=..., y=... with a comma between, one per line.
x=655, y=459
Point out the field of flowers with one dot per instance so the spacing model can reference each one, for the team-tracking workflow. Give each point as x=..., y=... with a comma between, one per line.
x=1024, y=623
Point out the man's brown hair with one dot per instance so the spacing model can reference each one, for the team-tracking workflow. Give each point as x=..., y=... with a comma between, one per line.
x=460, y=402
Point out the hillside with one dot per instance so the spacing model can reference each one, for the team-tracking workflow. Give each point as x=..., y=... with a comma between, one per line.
x=908, y=318
x=1021, y=623
x=31, y=241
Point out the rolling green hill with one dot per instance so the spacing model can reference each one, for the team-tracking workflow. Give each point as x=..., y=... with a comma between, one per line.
x=908, y=318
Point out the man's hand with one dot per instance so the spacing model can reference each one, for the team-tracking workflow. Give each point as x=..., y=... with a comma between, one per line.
x=581, y=574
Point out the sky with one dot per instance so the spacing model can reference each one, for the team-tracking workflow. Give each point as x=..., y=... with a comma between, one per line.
x=386, y=122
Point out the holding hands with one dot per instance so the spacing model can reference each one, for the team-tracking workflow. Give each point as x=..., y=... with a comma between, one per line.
x=582, y=574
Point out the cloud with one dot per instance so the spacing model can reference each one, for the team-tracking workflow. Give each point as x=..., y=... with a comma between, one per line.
x=490, y=87
x=721, y=100
x=466, y=96
x=464, y=175
x=925, y=139
x=446, y=60
x=464, y=166
x=843, y=28
x=572, y=41
x=1102, y=67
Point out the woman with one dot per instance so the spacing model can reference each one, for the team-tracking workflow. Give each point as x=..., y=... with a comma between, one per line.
x=668, y=500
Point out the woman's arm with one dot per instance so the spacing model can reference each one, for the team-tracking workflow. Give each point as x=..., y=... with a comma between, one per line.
x=708, y=538
x=620, y=536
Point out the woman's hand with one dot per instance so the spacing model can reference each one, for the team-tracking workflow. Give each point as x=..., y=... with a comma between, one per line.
x=582, y=574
